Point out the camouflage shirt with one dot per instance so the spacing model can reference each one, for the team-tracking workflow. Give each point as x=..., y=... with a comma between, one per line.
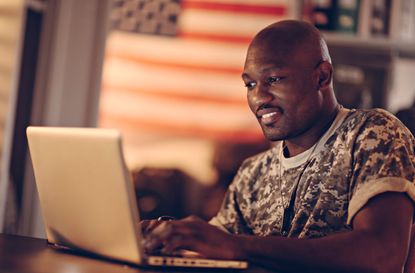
x=364, y=153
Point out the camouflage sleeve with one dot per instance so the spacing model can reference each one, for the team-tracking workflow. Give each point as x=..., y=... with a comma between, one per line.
x=384, y=161
x=229, y=217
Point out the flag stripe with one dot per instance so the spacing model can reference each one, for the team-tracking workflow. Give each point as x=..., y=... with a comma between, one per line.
x=150, y=61
x=223, y=23
x=139, y=125
x=200, y=114
x=178, y=96
x=276, y=10
x=245, y=40
x=177, y=51
x=125, y=74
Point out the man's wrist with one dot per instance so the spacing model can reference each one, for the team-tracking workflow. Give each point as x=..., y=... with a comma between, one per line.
x=240, y=246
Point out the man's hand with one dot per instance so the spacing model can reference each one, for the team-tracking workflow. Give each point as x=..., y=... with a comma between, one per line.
x=192, y=234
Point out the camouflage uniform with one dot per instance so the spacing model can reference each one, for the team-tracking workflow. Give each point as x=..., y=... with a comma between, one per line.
x=364, y=153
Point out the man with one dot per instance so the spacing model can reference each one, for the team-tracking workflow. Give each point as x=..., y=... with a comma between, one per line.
x=334, y=194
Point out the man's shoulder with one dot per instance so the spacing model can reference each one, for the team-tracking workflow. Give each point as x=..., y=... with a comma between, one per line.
x=378, y=124
x=363, y=124
x=371, y=113
x=367, y=118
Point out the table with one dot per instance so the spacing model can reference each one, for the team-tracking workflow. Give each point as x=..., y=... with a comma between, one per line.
x=24, y=254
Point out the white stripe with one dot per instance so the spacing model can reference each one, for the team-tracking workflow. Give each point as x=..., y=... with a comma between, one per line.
x=198, y=53
x=202, y=115
x=147, y=77
x=224, y=23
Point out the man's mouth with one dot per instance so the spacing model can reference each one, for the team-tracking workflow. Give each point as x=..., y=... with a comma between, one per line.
x=269, y=116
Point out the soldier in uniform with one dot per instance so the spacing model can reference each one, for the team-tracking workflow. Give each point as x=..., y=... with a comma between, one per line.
x=335, y=193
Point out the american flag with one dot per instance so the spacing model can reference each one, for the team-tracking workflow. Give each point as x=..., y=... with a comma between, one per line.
x=173, y=68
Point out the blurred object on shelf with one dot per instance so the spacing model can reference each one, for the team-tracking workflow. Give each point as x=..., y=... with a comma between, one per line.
x=347, y=16
x=407, y=20
x=379, y=18
x=321, y=13
x=389, y=20
x=407, y=116
x=361, y=76
x=351, y=90
x=332, y=15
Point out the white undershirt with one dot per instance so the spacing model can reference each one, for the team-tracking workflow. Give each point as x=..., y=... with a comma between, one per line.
x=295, y=161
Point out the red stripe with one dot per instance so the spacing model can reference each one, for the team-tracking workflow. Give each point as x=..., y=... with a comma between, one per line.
x=138, y=126
x=277, y=10
x=215, y=37
x=183, y=97
x=149, y=61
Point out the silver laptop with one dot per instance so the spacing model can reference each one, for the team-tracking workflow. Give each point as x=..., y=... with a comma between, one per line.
x=87, y=196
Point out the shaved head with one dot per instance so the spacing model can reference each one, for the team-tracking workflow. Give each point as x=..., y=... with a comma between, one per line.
x=289, y=36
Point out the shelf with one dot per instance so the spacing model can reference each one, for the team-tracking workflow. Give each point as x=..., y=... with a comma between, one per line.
x=351, y=40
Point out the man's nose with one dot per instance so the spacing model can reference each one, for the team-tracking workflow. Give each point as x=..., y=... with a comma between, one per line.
x=261, y=95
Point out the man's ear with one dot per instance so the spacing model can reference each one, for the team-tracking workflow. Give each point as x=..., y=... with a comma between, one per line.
x=325, y=74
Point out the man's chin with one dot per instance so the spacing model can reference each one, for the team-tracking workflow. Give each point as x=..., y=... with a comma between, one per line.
x=274, y=136
x=274, y=139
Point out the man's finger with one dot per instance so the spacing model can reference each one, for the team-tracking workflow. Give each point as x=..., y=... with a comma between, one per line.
x=177, y=242
x=148, y=226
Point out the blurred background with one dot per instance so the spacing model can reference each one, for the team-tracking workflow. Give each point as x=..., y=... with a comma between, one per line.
x=166, y=73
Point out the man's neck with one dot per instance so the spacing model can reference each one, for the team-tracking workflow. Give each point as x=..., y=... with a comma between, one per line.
x=300, y=144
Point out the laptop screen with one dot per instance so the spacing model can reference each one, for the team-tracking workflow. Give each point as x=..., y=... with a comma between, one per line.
x=85, y=191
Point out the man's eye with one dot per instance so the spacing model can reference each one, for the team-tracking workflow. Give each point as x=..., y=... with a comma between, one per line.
x=250, y=85
x=271, y=80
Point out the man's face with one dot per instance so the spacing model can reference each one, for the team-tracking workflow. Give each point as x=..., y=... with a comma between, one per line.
x=283, y=91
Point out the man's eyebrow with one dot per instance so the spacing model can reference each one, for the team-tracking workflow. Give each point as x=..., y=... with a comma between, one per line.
x=245, y=75
x=265, y=70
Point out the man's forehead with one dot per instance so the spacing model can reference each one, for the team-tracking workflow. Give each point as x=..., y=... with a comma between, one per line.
x=271, y=51
x=266, y=64
x=267, y=59
x=270, y=47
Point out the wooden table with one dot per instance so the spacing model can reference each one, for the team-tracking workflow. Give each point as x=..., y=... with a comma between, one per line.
x=32, y=255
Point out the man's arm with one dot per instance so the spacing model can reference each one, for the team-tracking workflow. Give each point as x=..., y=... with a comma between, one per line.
x=378, y=241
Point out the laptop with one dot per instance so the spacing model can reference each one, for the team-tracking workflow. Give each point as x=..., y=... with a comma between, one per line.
x=87, y=197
